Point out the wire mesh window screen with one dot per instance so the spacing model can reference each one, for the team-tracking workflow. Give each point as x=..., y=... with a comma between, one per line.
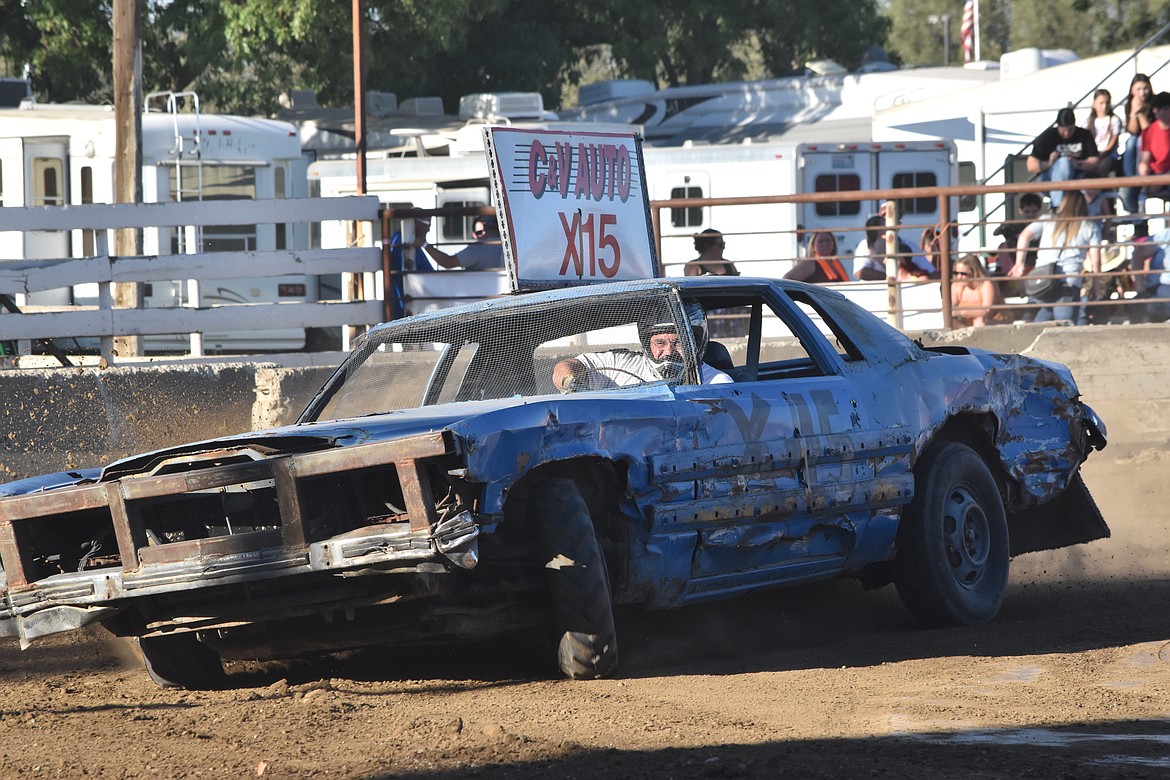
x=507, y=349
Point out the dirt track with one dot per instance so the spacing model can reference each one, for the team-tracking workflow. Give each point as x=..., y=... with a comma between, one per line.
x=1072, y=680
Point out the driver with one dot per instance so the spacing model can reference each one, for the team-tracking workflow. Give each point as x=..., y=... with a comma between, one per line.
x=662, y=359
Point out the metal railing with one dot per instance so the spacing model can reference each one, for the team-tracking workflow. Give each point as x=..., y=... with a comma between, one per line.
x=949, y=223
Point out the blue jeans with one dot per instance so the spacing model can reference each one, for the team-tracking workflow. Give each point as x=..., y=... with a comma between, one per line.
x=1062, y=308
x=1061, y=170
x=1130, y=196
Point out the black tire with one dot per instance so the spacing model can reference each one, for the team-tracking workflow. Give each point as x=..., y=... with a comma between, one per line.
x=953, y=555
x=182, y=661
x=577, y=580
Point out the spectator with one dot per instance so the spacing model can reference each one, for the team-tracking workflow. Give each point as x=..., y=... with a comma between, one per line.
x=1065, y=243
x=709, y=244
x=1155, y=157
x=1147, y=257
x=1028, y=211
x=870, y=233
x=911, y=263
x=932, y=240
x=1106, y=130
x=1139, y=115
x=973, y=296
x=823, y=264
x=486, y=254
x=1063, y=152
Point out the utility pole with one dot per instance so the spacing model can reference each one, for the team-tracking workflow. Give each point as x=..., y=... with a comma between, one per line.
x=945, y=21
x=127, y=152
x=359, y=96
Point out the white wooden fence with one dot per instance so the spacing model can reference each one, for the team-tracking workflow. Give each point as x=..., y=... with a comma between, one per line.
x=104, y=322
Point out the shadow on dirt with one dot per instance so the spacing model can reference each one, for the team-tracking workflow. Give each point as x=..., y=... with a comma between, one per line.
x=1114, y=750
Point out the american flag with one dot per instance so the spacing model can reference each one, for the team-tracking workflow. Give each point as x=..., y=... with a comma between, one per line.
x=967, y=31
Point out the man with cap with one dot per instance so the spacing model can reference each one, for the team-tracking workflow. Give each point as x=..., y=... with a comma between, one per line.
x=1063, y=152
x=485, y=254
x=662, y=359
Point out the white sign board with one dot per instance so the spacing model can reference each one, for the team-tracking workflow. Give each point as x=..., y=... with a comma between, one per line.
x=573, y=206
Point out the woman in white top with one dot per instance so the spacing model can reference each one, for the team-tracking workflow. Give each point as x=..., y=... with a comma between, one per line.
x=1106, y=129
x=1066, y=241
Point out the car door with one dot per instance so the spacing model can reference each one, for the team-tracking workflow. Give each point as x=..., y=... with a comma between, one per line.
x=779, y=477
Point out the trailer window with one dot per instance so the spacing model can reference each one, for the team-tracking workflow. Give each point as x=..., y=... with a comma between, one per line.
x=967, y=177
x=916, y=179
x=215, y=182
x=278, y=186
x=88, y=237
x=838, y=182
x=47, y=178
x=688, y=217
x=459, y=228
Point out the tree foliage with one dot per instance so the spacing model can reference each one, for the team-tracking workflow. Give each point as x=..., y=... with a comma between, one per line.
x=1087, y=27
x=240, y=55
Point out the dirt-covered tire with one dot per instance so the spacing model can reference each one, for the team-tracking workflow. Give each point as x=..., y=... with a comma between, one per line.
x=181, y=661
x=953, y=555
x=577, y=580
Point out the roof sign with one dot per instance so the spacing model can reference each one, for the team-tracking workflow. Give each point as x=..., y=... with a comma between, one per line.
x=573, y=206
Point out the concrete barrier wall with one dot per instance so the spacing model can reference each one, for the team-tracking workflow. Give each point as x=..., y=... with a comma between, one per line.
x=60, y=419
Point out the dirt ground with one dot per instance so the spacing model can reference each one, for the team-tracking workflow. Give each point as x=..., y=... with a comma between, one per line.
x=1071, y=681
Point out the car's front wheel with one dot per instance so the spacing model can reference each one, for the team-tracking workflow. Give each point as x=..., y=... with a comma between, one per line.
x=952, y=549
x=577, y=580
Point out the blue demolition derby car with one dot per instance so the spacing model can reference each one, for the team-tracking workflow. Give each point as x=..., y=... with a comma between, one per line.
x=542, y=459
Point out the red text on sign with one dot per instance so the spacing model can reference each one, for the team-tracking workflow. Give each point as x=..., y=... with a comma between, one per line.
x=594, y=237
x=602, y=171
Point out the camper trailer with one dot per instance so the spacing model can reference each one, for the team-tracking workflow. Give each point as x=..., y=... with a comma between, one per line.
x=763, y=239
x=57, y=155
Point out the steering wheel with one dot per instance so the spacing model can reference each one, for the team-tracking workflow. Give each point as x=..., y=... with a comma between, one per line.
x=572, y=385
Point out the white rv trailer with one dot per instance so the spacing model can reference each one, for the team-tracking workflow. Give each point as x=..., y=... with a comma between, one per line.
x=762, y=239
x=821, y=108
x=62, y=154
x=993, y=125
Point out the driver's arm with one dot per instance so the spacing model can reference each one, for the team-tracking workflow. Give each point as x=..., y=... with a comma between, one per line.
x=570, y=374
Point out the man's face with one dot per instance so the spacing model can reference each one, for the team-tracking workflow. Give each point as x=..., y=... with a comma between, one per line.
x=1029, y=212
x=1066, y=132
x=664, y=344
x=1162, y=114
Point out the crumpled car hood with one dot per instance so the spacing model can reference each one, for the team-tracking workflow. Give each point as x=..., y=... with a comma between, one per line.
x=307, y=437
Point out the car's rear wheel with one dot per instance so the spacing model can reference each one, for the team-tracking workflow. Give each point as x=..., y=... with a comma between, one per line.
x=181, y=661
x=953, y=555
x=577, y=580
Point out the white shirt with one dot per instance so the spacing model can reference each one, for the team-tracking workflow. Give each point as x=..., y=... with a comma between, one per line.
x=623, y=367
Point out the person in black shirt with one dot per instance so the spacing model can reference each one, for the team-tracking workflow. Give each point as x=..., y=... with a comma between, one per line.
x=1063, y=152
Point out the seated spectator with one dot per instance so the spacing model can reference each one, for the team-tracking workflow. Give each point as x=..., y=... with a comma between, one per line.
x=1063, y=152
x=1155, y=157
x=1139, y=116
x=1027, y=211
x=822, y=265
x=910, y=265
x=486, y=254
x=973, y=295
x=1150, y=255
x=709, y=244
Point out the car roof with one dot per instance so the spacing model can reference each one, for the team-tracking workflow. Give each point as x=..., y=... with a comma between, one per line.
x=682, y=284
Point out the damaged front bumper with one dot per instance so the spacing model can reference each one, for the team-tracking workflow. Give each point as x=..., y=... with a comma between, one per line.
x=43, y=595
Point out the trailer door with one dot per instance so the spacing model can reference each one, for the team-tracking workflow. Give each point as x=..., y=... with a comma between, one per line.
x=920, y=167
x=46, y=162
x=837, y=170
